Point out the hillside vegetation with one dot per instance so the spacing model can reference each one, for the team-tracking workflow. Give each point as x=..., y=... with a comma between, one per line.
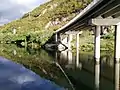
x=38, y=26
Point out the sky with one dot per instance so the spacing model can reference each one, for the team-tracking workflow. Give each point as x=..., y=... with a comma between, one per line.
x=14, y=9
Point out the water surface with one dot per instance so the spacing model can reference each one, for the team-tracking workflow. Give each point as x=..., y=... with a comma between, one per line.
x=66, y=69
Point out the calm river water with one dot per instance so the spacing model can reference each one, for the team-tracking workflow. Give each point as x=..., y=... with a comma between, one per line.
x=64, y=68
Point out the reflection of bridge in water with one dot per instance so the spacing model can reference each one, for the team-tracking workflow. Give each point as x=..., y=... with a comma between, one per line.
x=84, y=70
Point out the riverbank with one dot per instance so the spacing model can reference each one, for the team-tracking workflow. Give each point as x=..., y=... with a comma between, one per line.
x=37, y=39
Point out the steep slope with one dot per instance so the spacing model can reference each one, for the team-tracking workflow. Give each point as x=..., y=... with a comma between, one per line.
x=38, y=26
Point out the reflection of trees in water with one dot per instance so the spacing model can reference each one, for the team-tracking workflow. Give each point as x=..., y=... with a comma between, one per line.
x=38, y=61
x=108, y=59
x=105, y=58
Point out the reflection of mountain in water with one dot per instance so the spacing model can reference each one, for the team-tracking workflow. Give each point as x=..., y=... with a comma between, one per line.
x=38, y=61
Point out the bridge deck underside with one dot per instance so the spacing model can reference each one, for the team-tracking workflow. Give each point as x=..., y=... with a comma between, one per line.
x=105, y=9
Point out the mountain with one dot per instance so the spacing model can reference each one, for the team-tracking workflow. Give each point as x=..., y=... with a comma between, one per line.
x=38, y=26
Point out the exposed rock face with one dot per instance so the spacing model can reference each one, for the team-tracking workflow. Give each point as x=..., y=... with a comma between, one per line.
x=53, y=6
x=56, y=22
x=48, y=25
x=44, y=11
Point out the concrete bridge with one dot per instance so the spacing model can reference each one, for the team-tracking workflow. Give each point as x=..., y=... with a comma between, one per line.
x=97, y=14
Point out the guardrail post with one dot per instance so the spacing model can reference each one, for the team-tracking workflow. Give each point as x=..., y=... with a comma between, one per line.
x=97, y=44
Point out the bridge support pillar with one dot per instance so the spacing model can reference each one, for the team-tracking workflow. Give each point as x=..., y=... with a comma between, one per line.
x=117, y=55
x=77, y=50
x=69, y=41
x=97, y=44
x=117, y=43
x=56, y=37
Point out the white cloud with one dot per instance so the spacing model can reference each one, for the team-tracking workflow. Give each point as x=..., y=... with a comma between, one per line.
x=24, y=1
x=3, y=21
x=12, y=9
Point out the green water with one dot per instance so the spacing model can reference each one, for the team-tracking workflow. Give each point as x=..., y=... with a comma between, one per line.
x=67, y=73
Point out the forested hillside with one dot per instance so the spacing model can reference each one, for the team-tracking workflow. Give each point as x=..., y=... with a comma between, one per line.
x=38, y=26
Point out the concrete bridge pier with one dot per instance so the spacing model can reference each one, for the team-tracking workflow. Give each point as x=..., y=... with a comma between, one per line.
x=70, y=34
x=117, y=43
x=56, y=37
x=117, y=56
x=106, y=22
x=97, y=44
x=69, y=41
x=77, y=50
x=97, y=56
x=70, y=38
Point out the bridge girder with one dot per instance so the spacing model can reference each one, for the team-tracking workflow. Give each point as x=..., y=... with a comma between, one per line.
x=111, y=12
x=102, y=22
x=116, y=15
